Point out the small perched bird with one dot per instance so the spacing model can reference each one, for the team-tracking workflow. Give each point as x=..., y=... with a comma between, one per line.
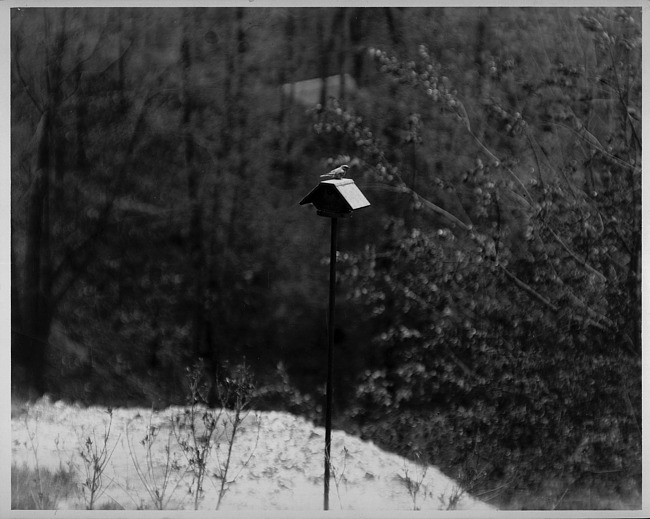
x=336, y=173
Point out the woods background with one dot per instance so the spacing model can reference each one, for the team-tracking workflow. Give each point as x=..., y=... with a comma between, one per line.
x=489, y=306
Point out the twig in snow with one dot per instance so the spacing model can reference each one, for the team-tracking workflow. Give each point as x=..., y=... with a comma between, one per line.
x=96, y=455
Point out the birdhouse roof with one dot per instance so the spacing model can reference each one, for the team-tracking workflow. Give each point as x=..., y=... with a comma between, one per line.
x=339, y=197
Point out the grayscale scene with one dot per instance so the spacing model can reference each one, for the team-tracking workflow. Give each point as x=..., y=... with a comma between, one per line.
x=340, y=258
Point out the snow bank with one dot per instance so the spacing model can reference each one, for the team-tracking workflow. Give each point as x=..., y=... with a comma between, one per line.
x=277, y=462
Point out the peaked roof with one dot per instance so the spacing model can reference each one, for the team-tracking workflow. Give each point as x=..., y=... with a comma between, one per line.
x=336, y=196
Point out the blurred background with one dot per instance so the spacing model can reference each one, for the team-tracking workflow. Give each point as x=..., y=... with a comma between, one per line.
x=488, y=315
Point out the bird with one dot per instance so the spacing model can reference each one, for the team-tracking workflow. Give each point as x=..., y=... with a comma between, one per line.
x=336, y=173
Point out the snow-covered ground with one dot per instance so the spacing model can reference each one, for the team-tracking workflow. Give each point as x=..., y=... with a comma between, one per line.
x=277, y=463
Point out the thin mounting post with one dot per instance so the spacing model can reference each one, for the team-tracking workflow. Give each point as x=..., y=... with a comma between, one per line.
x=330, y=362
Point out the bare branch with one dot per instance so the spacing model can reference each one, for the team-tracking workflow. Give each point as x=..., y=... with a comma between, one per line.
x=460, y=363
x=16, y=62
x=529, y=290
x=437, y=209
x=116, y=59
x=427, y=203
x=589, y=138
x=590, y=311
x=574, y=255
x=619, y=91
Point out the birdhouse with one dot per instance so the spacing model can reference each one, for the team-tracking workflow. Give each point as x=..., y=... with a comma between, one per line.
x=336, y=198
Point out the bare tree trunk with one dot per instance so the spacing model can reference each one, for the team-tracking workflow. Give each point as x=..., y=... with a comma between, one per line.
x=286, y=77
x=240, y=118
x=34, y=334
x=195, y=246
x=356, y=34
x=482, y=87
x=80, y=112
x=325, y=45
x=229, y=119
x=394, y=25
x=54, y=70
x=344, y=42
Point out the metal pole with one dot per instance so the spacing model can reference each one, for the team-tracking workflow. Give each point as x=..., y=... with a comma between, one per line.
x=330, y=354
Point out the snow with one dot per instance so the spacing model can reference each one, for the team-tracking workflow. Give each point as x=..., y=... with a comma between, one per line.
x=277, y=462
